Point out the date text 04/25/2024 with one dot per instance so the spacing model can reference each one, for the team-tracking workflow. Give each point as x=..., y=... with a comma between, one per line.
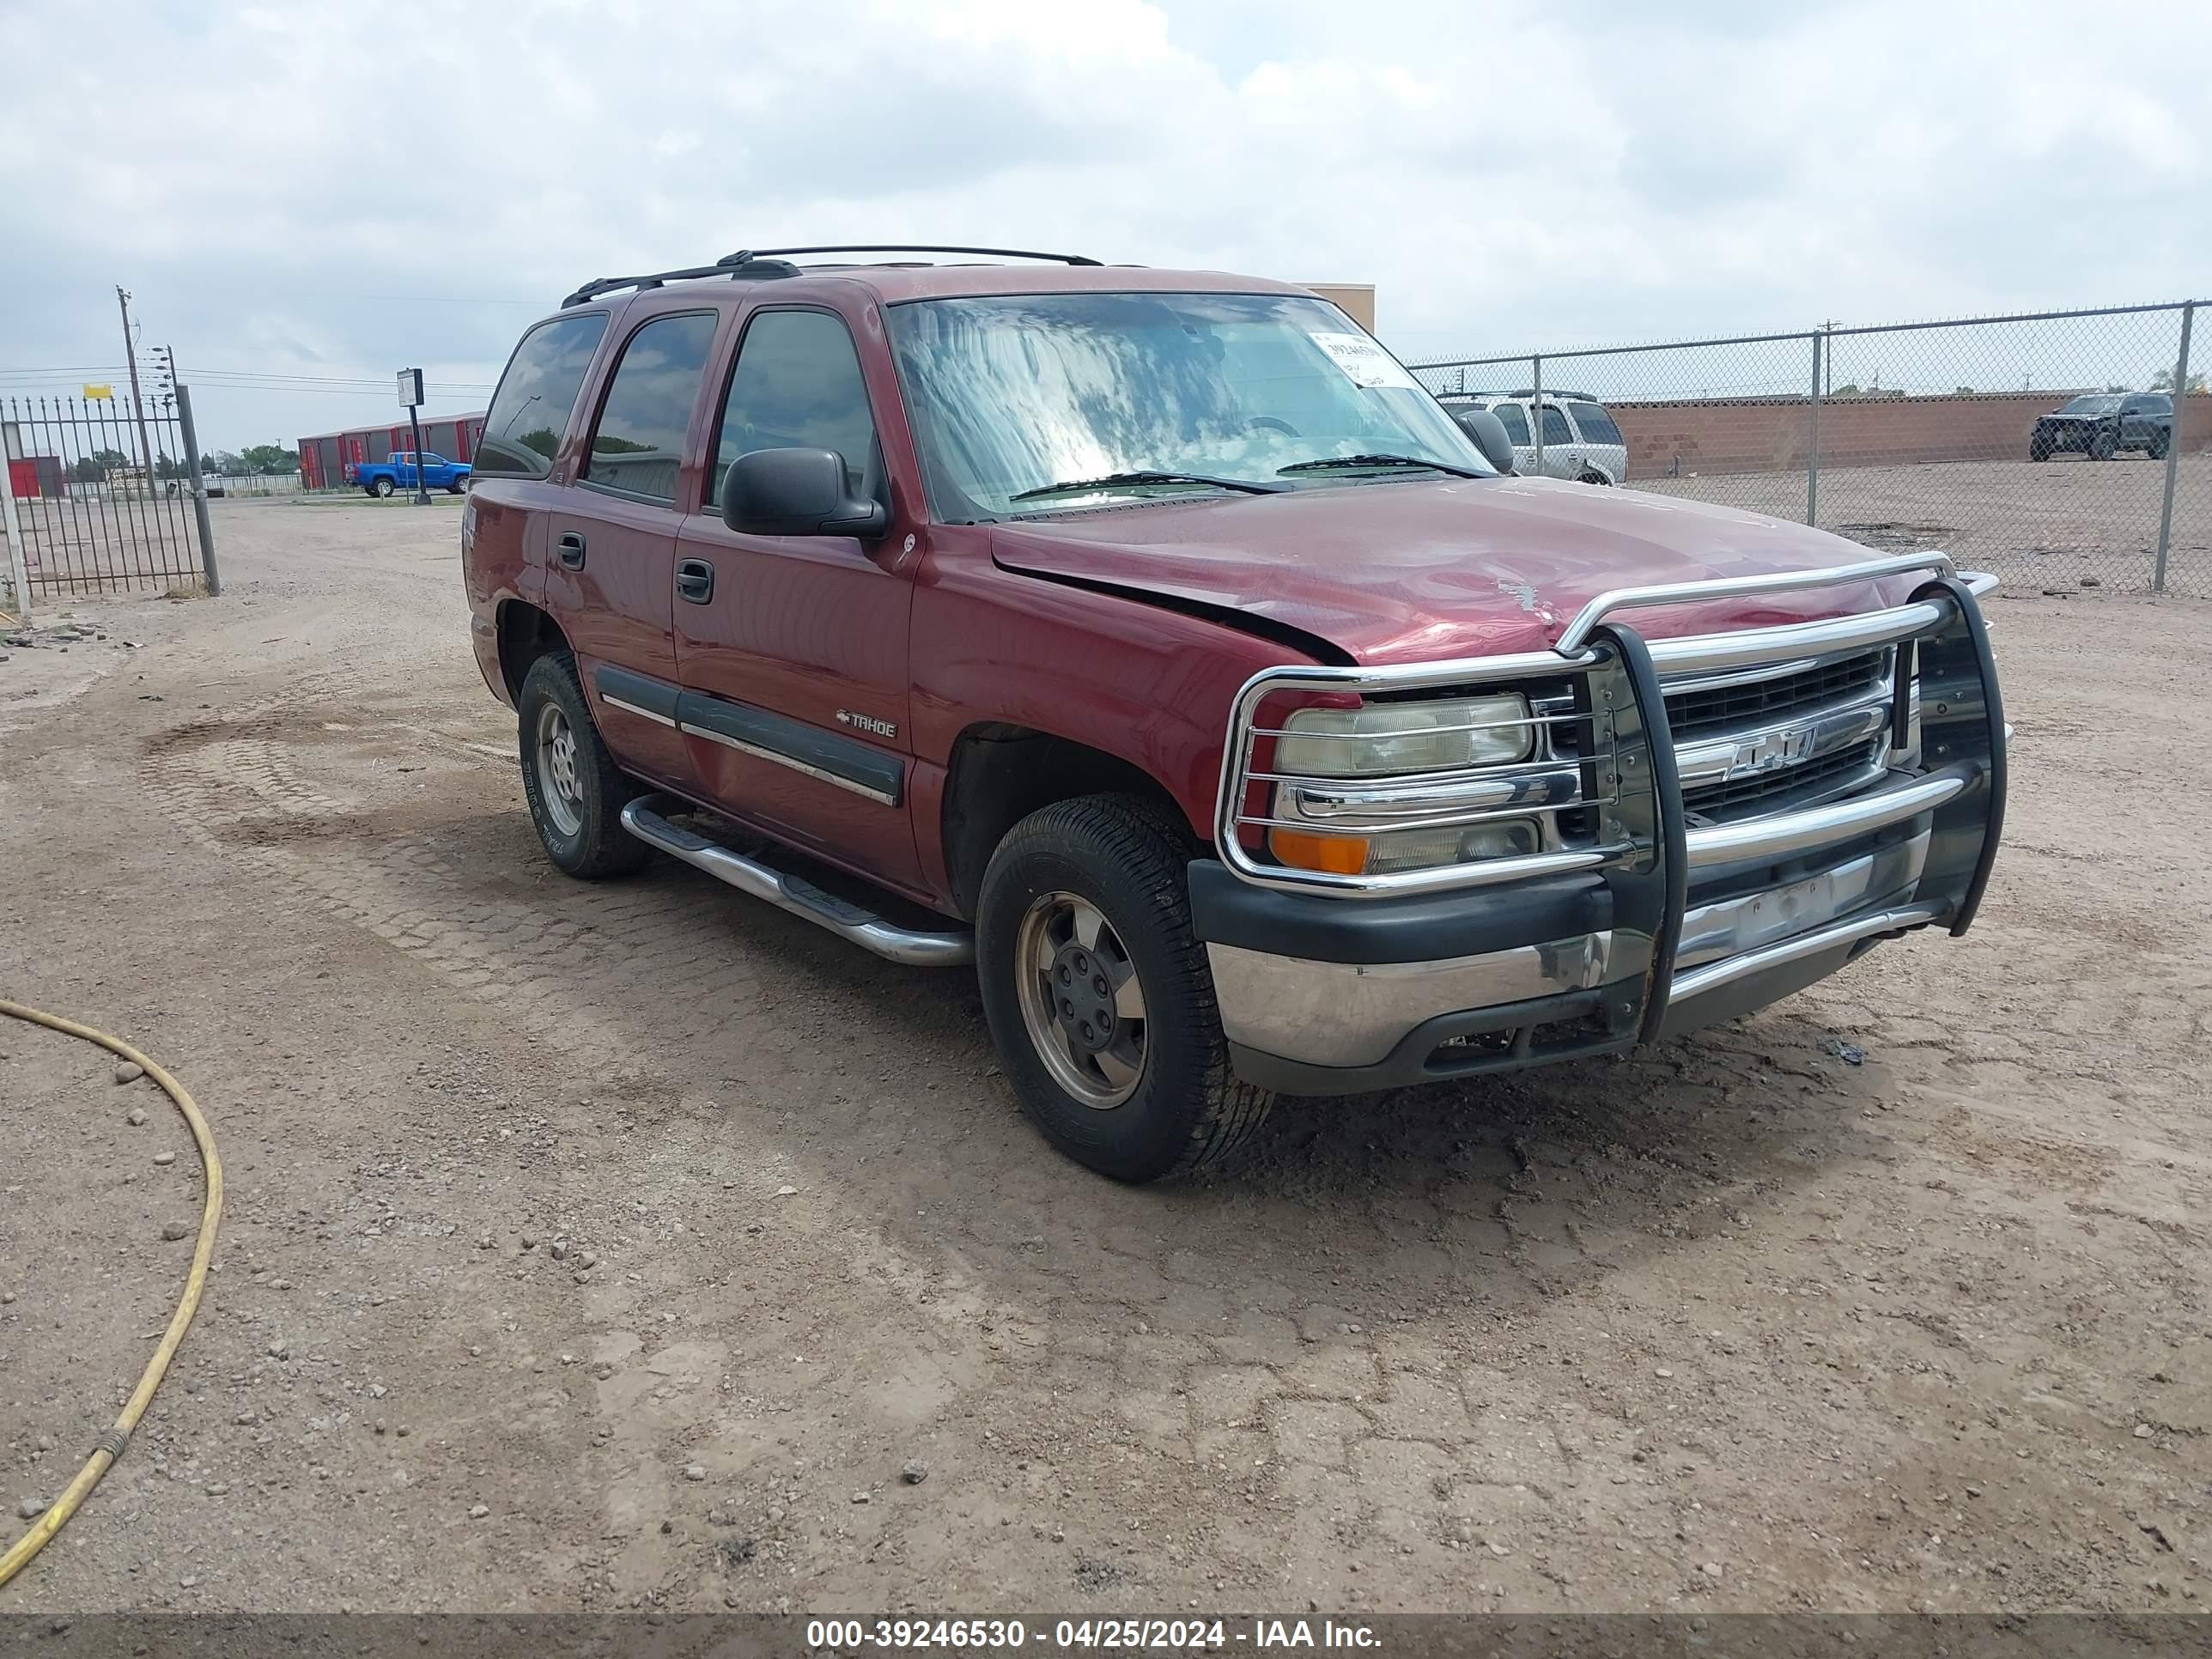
x=1109, y=1635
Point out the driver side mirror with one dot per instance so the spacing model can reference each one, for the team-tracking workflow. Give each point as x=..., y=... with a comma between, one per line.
x=796, y=492
x=1489, y=437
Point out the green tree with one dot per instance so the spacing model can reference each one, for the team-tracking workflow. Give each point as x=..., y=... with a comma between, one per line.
x=2163, y=381
x=269, y=458
x=107, y=458
x=86, y=468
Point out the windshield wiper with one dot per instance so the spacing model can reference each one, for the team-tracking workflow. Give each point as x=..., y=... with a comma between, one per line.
x=1246, y=486
x=1364, y=462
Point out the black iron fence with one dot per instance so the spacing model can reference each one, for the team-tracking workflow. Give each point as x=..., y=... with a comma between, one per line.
x=102, y=497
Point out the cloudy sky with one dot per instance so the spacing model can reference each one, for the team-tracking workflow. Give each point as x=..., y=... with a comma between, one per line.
x=302, y=197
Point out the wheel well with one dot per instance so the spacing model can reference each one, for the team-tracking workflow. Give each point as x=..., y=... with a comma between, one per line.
x=1001, y=774
x=526, y=633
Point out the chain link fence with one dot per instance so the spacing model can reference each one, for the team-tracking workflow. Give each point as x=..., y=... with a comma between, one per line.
x=2053, y=447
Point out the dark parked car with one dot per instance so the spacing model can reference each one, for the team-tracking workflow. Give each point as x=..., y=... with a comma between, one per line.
x=1153, y=643
x=2100, y=424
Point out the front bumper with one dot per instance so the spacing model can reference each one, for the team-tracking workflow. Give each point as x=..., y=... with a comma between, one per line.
x=1323, y=994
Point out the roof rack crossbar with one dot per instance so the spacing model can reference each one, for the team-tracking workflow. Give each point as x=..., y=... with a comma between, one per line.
x=747, y=263
x=923, y=247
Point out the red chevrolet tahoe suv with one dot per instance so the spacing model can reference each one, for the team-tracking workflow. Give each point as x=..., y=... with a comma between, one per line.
x=1154, y=641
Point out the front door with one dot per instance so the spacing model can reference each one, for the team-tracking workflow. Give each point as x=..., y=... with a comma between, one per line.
x=609, y=563
x=793, y=648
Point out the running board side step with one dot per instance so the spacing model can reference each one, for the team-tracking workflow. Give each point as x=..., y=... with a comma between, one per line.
x=955, y=948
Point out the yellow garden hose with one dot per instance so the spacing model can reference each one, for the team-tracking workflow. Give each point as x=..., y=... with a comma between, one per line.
x=111, y=1444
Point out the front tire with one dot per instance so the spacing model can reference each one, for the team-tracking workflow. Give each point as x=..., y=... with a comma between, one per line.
x=1098, y=995
x=576, y=792
x=2105, y=445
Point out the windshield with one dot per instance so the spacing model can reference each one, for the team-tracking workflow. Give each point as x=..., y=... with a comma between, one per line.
x=1013, y=396
x=2092, y=403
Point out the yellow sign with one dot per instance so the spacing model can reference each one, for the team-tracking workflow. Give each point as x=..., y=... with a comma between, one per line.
x=100, y=393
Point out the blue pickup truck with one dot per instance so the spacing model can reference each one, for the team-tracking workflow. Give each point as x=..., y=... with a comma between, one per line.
x=386, y=477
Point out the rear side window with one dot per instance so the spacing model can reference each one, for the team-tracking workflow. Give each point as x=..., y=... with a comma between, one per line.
x=638, y=443
x=1555, y=426
x=531, y=409
x=1595, y=424
x=797, y=385
x=1514, y=420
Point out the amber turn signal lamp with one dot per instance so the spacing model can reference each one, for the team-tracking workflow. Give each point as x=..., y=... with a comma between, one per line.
x=1334, y=855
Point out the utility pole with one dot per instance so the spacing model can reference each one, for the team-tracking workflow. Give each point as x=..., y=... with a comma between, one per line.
x=1828, y=328
x=137, y=403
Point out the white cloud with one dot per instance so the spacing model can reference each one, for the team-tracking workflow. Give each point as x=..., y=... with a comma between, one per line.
x=313, y=191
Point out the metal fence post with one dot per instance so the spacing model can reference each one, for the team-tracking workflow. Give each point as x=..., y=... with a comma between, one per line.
x=1536, y=411
x=199, y=490
x=12, y=522
x=1813, y=444
x=2173, y=448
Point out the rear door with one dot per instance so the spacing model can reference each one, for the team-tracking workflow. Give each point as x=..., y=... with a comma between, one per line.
x=609, y=573
x=793, y=648
x=1563, y=456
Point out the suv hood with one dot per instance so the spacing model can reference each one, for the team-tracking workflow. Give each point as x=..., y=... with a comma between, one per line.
x=1411, y=571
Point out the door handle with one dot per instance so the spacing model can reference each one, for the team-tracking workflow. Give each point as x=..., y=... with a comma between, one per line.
x=570, y=548
x=695, y=580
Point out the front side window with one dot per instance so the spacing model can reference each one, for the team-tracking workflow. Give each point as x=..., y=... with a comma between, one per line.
x=1555, y=426
x=2092, y=403
x=1514, y=419
x=1595, y=424
x=536, y=396
x=638, y=444
x=1013, y=398
x=797, y=385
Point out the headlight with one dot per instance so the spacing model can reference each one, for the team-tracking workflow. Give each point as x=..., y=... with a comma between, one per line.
x=1361, y=827
x=1405, y=737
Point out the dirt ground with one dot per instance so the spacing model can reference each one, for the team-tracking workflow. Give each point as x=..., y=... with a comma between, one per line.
x=597, y=1247
x=2049, y=524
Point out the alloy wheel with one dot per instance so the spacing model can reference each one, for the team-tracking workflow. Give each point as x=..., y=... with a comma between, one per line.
x=1081, y=1001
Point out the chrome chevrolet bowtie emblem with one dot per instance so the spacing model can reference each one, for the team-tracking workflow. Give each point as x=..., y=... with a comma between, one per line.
x=1770, y=751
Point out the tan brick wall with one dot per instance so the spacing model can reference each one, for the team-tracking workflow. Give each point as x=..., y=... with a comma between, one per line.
x=1758, y=435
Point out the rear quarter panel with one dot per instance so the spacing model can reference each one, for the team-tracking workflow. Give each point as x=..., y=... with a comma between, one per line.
x=502, y=560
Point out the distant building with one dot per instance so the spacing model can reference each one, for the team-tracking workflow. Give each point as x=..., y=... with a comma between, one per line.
x=327, y=460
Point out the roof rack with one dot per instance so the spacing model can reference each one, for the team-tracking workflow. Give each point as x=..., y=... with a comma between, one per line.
x=767, y=264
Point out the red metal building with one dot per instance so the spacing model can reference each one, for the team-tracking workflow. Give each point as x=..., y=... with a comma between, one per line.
x=328, y=459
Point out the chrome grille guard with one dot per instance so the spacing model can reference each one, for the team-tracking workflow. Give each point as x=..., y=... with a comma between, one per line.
x=1643, y=846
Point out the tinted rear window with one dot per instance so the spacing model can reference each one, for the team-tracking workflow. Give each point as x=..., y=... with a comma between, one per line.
x=1594, y=424
x=531, y=409
x=1555, y=426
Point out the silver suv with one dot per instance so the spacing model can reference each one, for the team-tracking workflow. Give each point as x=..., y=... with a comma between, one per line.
x=1571, y=436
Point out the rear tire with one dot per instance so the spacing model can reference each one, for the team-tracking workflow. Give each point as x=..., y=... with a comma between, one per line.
x=576, y=792
x=383, y=488
x=1098, y=996
x=2158, y=444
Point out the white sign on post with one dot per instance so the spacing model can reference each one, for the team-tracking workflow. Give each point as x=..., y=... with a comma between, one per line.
x=410, y=388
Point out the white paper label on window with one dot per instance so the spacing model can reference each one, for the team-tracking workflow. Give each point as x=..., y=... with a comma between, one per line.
x=1363, y=362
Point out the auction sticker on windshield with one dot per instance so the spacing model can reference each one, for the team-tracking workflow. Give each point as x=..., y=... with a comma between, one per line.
x=1363, y=362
